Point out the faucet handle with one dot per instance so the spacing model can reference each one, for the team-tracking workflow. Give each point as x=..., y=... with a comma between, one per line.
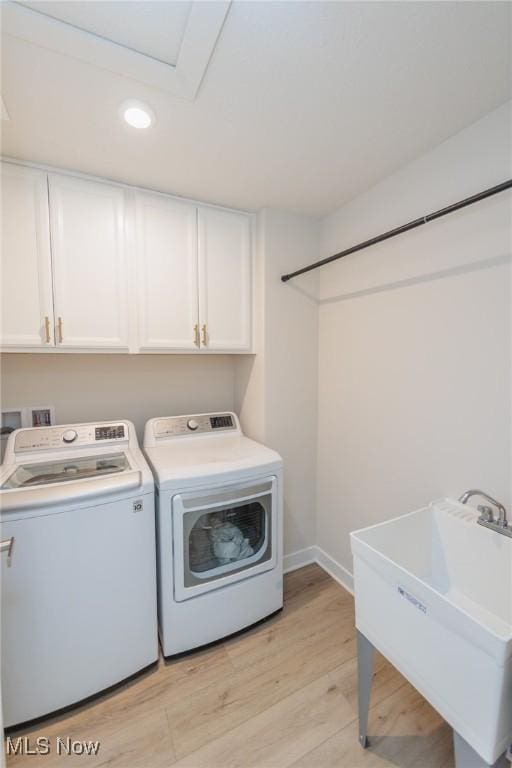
x=502, y=518
x=486, y=513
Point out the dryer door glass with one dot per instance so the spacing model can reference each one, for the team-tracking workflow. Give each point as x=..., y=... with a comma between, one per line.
x=227, y=537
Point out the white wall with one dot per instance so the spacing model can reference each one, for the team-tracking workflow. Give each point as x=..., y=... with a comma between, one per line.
x=276, y=391
x=250, y=369
x=135, y=387
x=415, y=341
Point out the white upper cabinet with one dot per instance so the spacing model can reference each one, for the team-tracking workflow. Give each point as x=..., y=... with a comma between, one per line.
x=166, y=248
x=26, y=293
x=93, y=266
x=225, y=308
x=90, y=270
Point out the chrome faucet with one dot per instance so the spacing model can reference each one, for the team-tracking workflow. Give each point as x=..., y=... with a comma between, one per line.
x=499, y=524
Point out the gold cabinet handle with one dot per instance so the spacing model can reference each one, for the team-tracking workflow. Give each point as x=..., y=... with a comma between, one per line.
x=205, y=336
x=59, y=329
x=196, y=335
x=47, y=328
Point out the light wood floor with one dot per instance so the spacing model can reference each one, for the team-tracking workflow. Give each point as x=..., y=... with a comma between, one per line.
x=283, y=694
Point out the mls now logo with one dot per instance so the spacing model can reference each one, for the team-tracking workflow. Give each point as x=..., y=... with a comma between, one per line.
x=43, y=746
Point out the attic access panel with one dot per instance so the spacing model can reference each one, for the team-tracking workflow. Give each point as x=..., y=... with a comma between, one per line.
x=155, y=29
x=93, y=33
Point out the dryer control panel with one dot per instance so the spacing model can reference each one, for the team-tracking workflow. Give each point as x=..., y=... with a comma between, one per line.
x=52, y=438
x=198, y=424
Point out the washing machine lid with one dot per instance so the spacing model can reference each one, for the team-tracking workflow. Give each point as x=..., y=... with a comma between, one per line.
x=65, y=470
x=215, y=459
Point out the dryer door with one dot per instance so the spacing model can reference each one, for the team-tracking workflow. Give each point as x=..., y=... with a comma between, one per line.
x=223, y=535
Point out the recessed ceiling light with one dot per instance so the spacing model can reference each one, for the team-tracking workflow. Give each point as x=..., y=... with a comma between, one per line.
x=137, y=114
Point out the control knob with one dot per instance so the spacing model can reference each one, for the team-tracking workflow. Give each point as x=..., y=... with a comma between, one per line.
x=192, y=424
x=69, y=436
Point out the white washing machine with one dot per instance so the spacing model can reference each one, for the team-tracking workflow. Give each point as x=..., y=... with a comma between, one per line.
x=219, y=528
x=78, y=565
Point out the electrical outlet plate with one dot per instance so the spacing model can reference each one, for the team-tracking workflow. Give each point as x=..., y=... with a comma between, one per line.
x=11, y=420
x=41, y=416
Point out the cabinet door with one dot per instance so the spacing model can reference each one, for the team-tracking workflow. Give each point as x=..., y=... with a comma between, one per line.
x=167, y=273
x=26, y=293
x=225, y=288
x=87, y=222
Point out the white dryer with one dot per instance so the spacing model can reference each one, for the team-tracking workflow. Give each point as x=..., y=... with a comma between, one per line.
x=219, y=528
x=78, y=565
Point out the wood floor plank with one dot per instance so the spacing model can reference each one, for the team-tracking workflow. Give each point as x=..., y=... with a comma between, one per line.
x=299, y=585
x=141, y=697
x=386, y=681
x=403, y=730
x=148, y=745
x=143, y=742
x=285, y=664
x=329, y=603
x=279, y=735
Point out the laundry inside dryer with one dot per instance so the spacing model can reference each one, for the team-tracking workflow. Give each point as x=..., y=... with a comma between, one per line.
x=226, y=536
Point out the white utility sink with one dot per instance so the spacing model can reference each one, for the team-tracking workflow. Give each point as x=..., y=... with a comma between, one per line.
x=434, y=595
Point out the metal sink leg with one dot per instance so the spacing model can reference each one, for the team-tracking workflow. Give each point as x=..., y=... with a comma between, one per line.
x=365, y=659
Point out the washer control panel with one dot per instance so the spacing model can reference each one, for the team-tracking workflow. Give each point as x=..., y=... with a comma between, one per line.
x=197, y=424
x=52, y=438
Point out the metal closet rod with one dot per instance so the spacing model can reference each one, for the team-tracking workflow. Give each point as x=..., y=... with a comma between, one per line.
x=404, y=228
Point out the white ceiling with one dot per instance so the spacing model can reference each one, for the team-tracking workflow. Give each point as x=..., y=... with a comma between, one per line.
x=147, y=26
x=303, y=105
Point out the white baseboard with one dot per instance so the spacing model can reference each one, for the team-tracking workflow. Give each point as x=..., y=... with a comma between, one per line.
x=317, y=555
x=299, y=559
x=338, y=572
